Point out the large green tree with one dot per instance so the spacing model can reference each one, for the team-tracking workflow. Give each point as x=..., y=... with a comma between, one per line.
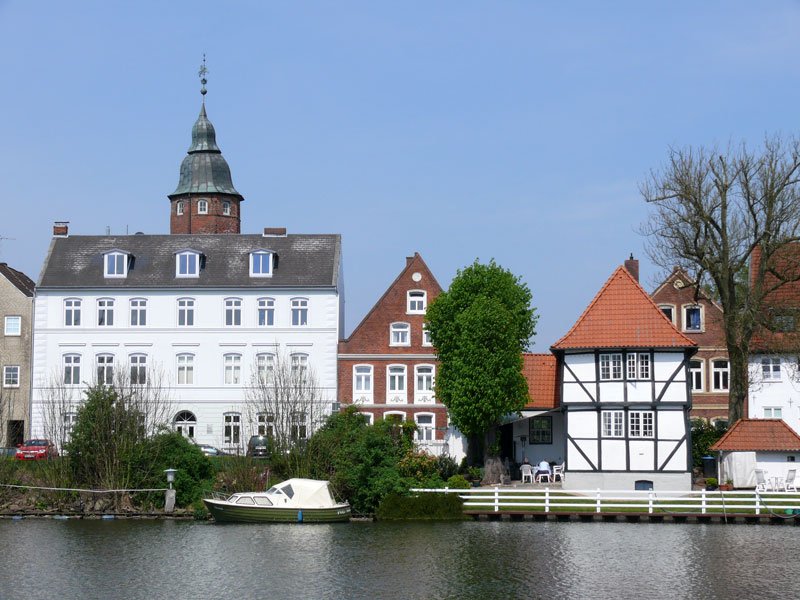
x=480, y=327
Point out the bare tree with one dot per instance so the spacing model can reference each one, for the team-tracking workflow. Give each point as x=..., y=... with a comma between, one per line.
x=716, y=213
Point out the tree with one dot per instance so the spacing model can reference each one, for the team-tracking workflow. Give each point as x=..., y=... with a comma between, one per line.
x=480, y=327
x=719, y=215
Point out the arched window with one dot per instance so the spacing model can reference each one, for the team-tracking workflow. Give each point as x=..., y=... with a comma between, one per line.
x=233, y=369
x=179, y=207
x=105, y=312
x=72, y=369
x=399, y=334
x=72, y=312
x=396, y=417
x=202, y=207
x=426, y=427
x=423, y=388
x=417, y=302
x=185, y=312
x=105, y=369
x=185, y=364
x=396, y=384
x=138, y=312
x=299, y=312
x=233, y=312
x=265, y=366
x=362, y=384
x=185, y=423
x=266, y=312
x=226, y=208
x=138, y=369
x=720, y=374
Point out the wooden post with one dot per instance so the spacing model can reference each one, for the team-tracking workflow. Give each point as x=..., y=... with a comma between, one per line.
x=598, y=500
x=496, y=499
x=650, y=502
x=547, y=499
x=703, y=502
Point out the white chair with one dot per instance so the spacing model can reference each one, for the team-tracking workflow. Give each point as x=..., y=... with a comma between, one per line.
x=542, y=476
x=761, y=481
x=558, y=472
x=527, y=473
x=788, y=483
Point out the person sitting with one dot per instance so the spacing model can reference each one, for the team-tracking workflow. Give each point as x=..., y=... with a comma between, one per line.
x=543, y=470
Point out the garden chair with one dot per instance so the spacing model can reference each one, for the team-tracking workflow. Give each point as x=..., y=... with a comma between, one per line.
x=761, y=481
x=543, y=476
x=527, y=473
x=788, y=484
x=558, y=473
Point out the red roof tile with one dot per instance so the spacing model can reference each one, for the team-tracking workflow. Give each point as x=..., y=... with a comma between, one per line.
x=622, y=315
x=785, y=300
x=769, y=435
x=541, y=373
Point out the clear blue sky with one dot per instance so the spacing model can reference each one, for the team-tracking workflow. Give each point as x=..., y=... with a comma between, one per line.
x=510, y=130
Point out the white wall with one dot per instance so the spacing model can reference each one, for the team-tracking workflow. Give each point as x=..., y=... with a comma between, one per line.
x=783, y=392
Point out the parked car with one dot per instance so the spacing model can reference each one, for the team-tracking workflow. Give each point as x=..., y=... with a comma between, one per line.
x=36, y=449
x=258, y=446
x=209, y=450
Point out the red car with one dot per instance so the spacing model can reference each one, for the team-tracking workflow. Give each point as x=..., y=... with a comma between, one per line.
x=39, y=449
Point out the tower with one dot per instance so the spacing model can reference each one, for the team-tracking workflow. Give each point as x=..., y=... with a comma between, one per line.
x=205, y=200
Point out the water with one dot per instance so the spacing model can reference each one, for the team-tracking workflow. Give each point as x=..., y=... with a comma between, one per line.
x=168, y=559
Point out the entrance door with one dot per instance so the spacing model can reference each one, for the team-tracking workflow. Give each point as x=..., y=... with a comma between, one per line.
x=185, y=423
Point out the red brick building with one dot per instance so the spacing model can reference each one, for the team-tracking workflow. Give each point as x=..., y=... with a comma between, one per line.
x=387, y=367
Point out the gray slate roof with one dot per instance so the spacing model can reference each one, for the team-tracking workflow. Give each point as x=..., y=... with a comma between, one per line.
x=22, y=282
x=302, y=261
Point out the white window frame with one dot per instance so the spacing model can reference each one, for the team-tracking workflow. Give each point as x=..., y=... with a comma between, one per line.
x=257, y=263
x=638, y=366
x=298, y=429
x=395, y=413
x=720, y=374
x=10, y=329
x=68, y=424
x=105, y=362
x=184, y=368
x=613, y=424
x=770, y=368
x=365, y=379
x=671, y=308
x=11, y=376
x=186, y=308
x=299, y=313
x=611, y=366
x=265, y=424
x=400, y=334
x=424, y=396
x=115, y=265
x=368, y=417
x=641, y=424
x=299, y=365
x=71, y=368
x=265, y=367
x=773, y=412
x=425, y=435
x=693, y=371
x=232, y=429
x=138, y=312
x=185, y=423
x=226, y=208
x=105, y=312
x=416, y=302
x=202, y=207
x=233, y=312
x=396, y=374
x=179, y=207
x=232, y=368
x=138, y=368
x=426, y=337
x=192, y=264
x=72, y=312
x=685, y=320
x=266, y=309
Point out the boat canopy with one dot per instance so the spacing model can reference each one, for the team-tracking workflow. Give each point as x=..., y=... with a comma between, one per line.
x=308, y=493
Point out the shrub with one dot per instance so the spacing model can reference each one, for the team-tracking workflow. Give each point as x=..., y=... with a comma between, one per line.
x=458, y=482
x=704, y=435
x=423, y=507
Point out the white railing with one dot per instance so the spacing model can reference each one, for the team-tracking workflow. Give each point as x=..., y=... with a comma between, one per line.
x=598, y=501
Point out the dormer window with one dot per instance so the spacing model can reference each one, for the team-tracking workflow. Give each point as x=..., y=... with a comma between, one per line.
x=417, y=302
x=187, y=264
x=179, y=207
x=116, y=264
x=226, y=208
x=202, y=207
x=261, y=264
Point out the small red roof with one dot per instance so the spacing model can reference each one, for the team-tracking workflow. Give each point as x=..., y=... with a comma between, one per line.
x=622, y=315
x=540, y=372
x=769, y=435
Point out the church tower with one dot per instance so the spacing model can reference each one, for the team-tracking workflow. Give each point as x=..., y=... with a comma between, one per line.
x=205, y=200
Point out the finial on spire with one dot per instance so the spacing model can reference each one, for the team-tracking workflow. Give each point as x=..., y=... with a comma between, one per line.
x=203, y=81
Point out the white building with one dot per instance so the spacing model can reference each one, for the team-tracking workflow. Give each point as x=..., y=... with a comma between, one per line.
x=198, y=310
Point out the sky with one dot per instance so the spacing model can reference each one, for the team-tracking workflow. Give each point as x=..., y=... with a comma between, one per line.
x=513, y=131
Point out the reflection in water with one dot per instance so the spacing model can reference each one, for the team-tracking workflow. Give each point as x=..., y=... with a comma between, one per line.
x=164, y=559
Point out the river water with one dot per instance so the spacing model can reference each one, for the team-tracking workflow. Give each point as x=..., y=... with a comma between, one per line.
x=181, y=559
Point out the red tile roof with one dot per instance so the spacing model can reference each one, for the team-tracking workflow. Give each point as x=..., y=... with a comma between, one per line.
x=769, y=435
x=622, y=315
x=785, y=300
x=541, y=373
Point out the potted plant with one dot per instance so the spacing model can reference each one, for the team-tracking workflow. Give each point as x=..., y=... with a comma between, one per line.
x=711, y=484
x=727, y=486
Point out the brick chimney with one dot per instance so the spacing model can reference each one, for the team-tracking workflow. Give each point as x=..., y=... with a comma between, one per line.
x=61, y=229
x=274, y=231
x=632, y=265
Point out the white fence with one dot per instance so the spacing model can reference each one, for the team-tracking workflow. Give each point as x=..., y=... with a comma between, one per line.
x=615, y=501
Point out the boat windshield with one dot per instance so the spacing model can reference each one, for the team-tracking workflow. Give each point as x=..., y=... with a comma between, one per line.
x=273, y=490
x=287, y=489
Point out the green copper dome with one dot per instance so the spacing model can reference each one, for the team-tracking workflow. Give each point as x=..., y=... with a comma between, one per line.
x=204, y=170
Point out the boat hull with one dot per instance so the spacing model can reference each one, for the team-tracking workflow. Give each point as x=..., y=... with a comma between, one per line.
x=231, y=513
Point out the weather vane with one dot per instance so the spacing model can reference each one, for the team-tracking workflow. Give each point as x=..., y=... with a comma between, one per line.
x=202, y=73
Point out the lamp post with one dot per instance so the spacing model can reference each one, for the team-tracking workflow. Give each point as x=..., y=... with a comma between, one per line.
x=169, y=496
x=170, y=476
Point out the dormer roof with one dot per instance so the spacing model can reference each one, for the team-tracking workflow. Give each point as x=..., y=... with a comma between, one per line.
x=622, y=315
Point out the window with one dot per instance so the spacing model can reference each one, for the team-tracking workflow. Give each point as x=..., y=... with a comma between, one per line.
x=395, y=418
x=265, y=424
x=11, y=376
x=105, y=312
x=720, y=375
x=668, y=310
x=232, y=428
x=362, y=384
x=226, y=208
x=540, y=430
x=610, y=366
x=13, y=325
x=692, y=318
x=425, y=428
x=185, y=312
x=696, y=375
x=138, y=369
x=613, y=423
x=369, y=418
x=72, y=369
x=233, y=312
x=185, y=423
x=299, y=312
x=187, y=264
x=426, y=337
x=202, y=207
x=261, y=264
x=298, y=426
x=264, y=367
x=640, y=423
x=396, y=384
x=179, y=207
x=417, y=302
x=105, y=369
x=138, y=312
x=266, y=312
x=423, y=391
x=185, y=369
x=771, y=368
x=116, y=264
x=68, y=425
x=399, y=334
x=773, y=412
x=233, y=369
x=299, y=367
x=638, y=365
x=72, y=313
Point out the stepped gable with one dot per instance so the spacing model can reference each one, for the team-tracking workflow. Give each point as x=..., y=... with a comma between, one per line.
x=540, y=372
x=768, y=435
x=622, y=315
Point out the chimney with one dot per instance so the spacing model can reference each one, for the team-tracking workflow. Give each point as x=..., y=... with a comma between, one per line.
x=61, y=229
x=410, y=259
x=632, y=265
x=274, y=231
